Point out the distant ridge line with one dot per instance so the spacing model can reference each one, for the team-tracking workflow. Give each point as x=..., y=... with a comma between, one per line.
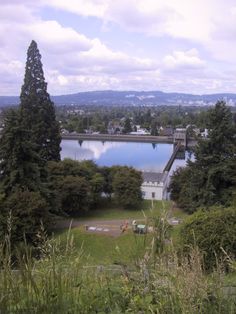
x=130, y=97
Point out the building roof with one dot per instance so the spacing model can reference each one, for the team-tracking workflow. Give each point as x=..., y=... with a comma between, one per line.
x=153, y=176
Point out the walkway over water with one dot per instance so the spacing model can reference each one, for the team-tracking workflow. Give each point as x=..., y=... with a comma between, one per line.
x=118, y=138
x=173, y=156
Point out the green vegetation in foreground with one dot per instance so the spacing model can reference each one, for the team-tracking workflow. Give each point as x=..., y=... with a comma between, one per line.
x=152, y=283
x=110, y=210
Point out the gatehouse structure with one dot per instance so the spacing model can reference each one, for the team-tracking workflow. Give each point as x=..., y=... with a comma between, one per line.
x=154, y=185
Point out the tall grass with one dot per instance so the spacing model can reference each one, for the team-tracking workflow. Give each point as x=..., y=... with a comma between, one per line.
x=160, y=281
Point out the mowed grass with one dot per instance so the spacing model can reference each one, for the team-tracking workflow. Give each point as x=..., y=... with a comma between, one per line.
x=104, y=249
x=98, y=249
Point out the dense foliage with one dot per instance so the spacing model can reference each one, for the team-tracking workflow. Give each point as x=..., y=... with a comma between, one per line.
x=214, y=232
x=126, y=186
x=20, y=164
x=78, y=186
x=211, y=178
x=72, y=184
x=22, y=214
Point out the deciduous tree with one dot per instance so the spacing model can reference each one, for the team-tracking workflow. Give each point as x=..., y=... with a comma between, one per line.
x=127, y=186
x=75, y=194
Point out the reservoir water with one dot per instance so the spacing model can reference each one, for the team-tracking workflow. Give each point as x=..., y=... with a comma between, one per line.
x=142, y=156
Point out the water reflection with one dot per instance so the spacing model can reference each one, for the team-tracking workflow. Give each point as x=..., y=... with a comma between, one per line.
x=143, y=156
x=84, y=150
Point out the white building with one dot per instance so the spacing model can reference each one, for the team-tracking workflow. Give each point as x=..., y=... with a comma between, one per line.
x=154, y=185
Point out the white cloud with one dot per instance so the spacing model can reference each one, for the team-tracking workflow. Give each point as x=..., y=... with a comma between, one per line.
x=184, y=19
x=75, y=62
x=184, y=59
x=57, y=39
x=104, y=59
x=70, y=59
x=209, y=23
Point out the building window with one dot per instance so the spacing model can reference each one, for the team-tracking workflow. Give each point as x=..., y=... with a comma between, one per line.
x=153, y=194
x=143, y=194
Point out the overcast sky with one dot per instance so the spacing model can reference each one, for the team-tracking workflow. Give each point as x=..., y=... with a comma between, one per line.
x=169, y=45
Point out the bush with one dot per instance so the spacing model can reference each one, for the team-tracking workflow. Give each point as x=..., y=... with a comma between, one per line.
x=22, y=214
x=214, y=232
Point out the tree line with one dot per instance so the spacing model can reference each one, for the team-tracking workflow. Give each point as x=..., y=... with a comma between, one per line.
x=97, y=118
x=80, y=186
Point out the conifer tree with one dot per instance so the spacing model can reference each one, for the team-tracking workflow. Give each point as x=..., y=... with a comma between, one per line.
x=20, y=163
x=211, y=178
x=22, y=192
x=37, y=109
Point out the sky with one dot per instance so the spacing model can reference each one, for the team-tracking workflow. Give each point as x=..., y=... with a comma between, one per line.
x=169, y=45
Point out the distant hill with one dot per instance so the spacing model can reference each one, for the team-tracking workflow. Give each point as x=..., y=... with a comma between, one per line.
x=131, y=98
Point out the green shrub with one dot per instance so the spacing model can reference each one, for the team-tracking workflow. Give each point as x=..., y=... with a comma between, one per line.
x=21, y=215
x=214, y=232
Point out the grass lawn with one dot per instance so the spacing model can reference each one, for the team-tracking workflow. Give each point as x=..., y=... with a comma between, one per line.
x=98, y=249
x=103, y=249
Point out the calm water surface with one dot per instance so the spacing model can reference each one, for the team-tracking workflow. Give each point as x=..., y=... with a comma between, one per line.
x=143, y=156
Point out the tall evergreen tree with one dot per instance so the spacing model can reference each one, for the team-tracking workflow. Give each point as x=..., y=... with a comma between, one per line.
x=30, y=138
x=23, y=194
x=20, y=163
x=37, y=109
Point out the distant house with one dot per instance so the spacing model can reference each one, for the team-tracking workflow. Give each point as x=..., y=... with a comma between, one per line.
x=154, y=185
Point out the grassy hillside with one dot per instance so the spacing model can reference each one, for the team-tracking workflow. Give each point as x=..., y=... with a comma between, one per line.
x=61, y=281
x=80, y=272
